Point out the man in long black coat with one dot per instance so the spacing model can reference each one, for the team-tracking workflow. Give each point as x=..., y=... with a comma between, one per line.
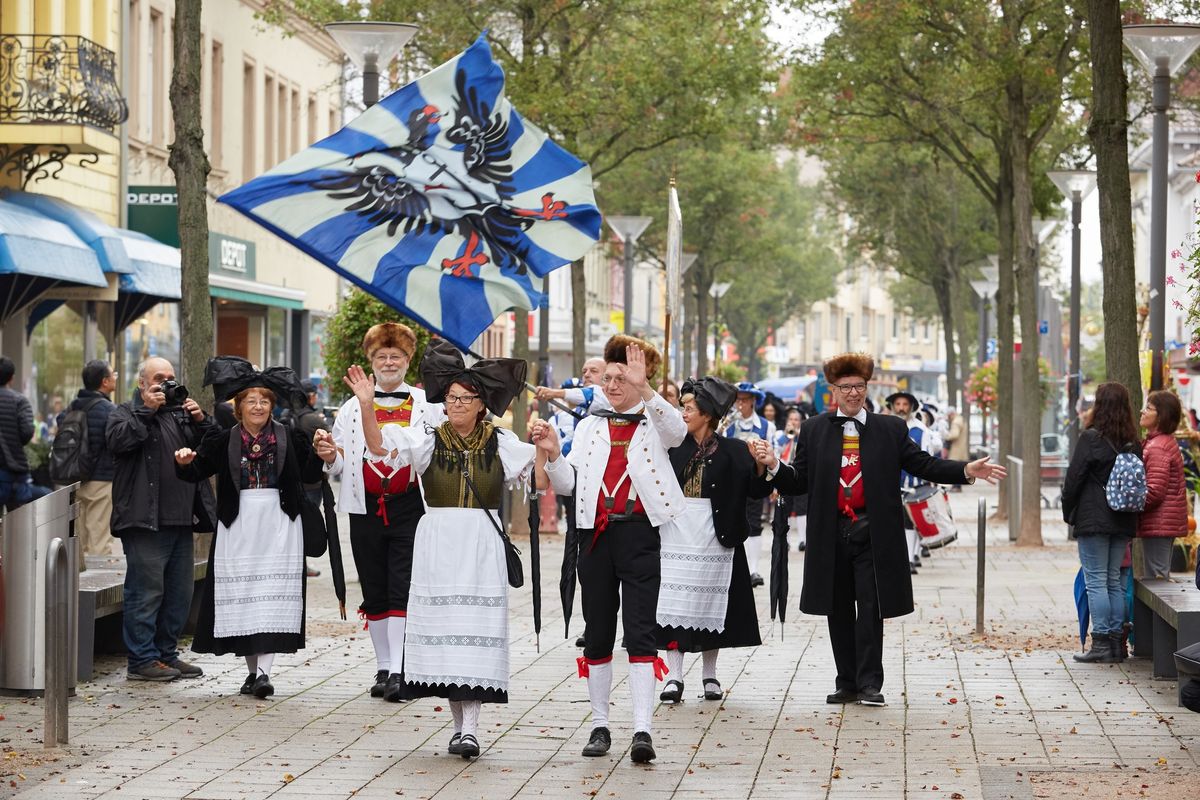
x=856, y=570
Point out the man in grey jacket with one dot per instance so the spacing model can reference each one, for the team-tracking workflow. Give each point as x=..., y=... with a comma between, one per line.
x=154, y=516
x=16, y=430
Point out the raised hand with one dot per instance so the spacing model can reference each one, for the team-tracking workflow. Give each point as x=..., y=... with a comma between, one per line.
x=185, y=456
x=549, y=393
x=983, y=468
x=362, y=384
x=635, y=368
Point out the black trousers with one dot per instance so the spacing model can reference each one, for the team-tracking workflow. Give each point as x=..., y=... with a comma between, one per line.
x=622, y=566
x=754, y=516
x=383, y=553
x=855, y=627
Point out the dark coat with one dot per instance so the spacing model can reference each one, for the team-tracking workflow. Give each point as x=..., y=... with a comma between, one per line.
x=1084, y=504
x=730, y=478
x=220, y=454
x=16, y=429
x=97, y=421
x=885, y=449
x=134, y=441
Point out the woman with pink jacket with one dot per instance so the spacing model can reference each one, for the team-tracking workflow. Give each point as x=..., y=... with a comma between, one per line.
x=1165, y=514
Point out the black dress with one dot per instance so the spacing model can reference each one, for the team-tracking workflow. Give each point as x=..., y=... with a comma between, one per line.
x=727, y=477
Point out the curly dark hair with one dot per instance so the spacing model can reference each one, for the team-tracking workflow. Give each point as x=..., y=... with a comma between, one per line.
x=1112, y=415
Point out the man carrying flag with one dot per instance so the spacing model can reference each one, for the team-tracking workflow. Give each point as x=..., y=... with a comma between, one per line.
x=621, y=472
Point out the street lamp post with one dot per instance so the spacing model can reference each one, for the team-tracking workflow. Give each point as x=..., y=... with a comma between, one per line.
x=985, y=290
x=1075, y=184
x=371, y=46
x=628, y=229
x=717, y=291
x=1161, y=50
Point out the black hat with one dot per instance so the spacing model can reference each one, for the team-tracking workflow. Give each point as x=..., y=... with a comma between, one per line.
x=498, y=380
x=229, y=375
x=912, y=400
x=713, y=396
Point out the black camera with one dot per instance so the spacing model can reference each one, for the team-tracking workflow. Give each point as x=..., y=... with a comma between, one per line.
x=175, y=393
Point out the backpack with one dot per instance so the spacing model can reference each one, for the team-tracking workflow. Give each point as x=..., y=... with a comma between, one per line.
x=1126, y=486
x=70, y=457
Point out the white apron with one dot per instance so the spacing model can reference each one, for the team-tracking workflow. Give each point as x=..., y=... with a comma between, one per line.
x=696, y=570
x=457, y=631
x=258, y=569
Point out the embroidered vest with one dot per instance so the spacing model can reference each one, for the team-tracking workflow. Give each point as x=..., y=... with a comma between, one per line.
x=851, y=497
x=378, y=477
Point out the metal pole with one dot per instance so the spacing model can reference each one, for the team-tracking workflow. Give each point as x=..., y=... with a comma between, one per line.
x=370, y=80
x=544, y=356
x=716, y=330
x=980, y=561
x=1073, y=379
x=1158, y=227
x=987, y=310
x=982, y=330
x=628, y=330
x=56, y=656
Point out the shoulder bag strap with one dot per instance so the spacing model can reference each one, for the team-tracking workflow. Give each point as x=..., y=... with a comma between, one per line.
x=462, y=467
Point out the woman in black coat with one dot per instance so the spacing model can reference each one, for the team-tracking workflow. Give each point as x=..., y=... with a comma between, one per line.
x=1103, y=534
x=705, y=600
x=253, y=602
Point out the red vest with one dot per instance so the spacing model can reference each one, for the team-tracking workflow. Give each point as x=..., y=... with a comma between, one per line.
x=851, y=498
x=397, y=483
x=619, y=435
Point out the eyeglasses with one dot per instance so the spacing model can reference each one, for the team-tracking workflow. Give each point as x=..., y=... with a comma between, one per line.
x=380, y=357
x=850, y=388
x=461, y=399
x=619, y=380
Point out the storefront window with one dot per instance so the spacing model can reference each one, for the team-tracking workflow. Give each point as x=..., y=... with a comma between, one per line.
x=155, y=333
x=276, y=338
x=57, y=354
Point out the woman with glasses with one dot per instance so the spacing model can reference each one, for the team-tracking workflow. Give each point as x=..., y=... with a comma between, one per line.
x=382, y=498
x=705, y=601
x=456, y=645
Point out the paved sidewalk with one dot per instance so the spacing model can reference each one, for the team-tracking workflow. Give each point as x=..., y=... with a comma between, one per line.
x=1006, y=715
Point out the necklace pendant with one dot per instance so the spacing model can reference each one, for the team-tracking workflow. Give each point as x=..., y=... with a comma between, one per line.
x=255, y=448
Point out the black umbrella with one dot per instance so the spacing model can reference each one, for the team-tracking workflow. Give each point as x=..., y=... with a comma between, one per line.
x=570, y=565
x=338, y=573
x=535, y=561
x=779, y=560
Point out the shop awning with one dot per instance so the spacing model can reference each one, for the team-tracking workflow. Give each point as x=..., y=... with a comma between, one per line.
x=38, y=253
x=104, y=239
x=156, y=277
x=263, y=294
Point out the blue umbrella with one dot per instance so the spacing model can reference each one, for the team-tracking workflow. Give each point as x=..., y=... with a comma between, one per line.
x=1081, y=606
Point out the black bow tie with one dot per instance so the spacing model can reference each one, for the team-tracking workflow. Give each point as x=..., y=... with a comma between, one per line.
x=397, y=395
x=840, y=421
x=607, y=414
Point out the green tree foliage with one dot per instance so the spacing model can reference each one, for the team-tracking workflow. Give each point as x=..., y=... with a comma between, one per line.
x=344, y=337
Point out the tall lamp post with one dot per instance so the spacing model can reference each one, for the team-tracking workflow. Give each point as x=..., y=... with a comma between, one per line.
x=1162, y=50
x=683, y=369
x=371, y=46
x=1075, y=184
x=985, y=290
x=628, y=229
x=717, y=291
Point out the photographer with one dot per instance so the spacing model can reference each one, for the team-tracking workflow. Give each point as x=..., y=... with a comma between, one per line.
x=154, y=516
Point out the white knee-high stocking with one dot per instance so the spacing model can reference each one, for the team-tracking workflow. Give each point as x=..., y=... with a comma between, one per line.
x=470, y=715
x=456, y=711
x=252, y=664
x=710, y=664
x=265, y=662
x=674, y=665
x=753, y=547
x=641, y=685
x=395, y=643
x=599, y=682
x=378, y=628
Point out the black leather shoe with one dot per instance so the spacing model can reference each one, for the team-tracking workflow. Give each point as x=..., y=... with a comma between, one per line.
x=924, y=551
x=800, y=547
x=579, y=642
x=391, y=690
x=380, y=683
x=672, y=692
x=871, y=697
x=912, y=568
x=642, y=750
x=598, y=743
x=248, y=686
x=455, y=746
x=263, y=687
x=756, y=579
x=712, y=689
x=468, y=747
x=841, y=696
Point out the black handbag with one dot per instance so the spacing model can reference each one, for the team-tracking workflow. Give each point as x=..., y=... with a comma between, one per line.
x=316, y=537
x=512, y=556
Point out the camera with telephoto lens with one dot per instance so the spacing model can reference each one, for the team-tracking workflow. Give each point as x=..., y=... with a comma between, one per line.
x=175, y=393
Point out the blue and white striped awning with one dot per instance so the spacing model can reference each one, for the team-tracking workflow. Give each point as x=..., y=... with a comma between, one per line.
x=104, y=239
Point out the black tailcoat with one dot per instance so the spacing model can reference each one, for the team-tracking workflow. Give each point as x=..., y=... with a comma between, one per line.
x=885, y=450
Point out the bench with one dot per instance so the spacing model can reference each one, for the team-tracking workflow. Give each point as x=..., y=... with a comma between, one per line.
x=1166, y=617
x=102, y=596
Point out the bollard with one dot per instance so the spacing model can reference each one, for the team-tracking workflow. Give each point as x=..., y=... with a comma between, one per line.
x=57, y=656
x=979, y=566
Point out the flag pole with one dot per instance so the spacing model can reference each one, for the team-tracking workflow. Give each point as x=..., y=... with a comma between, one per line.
x=674, y=273
x=529, y=387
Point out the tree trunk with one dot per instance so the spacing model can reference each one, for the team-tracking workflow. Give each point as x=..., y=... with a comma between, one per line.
x=1027, y=297
x=578, y=317
x=1108, y=132
x=944, y=290
x=190, y=164
x=1004, y=323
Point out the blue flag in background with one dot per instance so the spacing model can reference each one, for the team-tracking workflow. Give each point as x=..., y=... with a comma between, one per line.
x=440, y=200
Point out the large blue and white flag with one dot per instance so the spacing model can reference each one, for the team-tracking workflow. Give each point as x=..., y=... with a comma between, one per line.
x=440, y=200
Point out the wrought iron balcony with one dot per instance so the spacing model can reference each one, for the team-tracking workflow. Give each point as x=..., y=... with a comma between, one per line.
x=63, y=80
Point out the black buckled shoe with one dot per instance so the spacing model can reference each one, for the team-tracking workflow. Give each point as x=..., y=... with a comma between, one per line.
x=672, y=692
x=842, y=696
x=579, y=642
x=262, y=686
x=455, y=746
x=712, y=689
x=391, y=690
x=380, y=683
x=756, y=580
x=468, y=747
x=871, y=697
x=642, y=749
x=248, y=686
x=598, y=743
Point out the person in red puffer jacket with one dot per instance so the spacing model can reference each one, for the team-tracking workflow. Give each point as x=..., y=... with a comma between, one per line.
x=1165, y=514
